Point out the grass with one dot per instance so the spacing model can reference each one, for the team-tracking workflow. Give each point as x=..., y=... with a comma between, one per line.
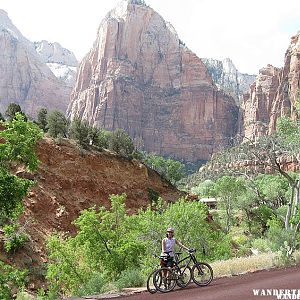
x=249, y=264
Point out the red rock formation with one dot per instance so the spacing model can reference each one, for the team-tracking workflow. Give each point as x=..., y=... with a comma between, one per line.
x=140, y=77
x=288, y=91
x=257, y=104
x=273, y=95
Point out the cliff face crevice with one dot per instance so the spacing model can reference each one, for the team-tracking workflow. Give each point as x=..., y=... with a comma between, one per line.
x=140, y=77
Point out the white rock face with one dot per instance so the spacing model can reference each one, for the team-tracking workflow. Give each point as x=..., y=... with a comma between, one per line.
x=227, y=78
x=61, y=61
x=24, y=78
x=55, y=53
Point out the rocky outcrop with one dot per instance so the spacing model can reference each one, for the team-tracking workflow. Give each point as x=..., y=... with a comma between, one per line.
x=140, y=77
x=288, y=90
x=227, y=78
x=61, y=61
x=258, y=102
x=24, y=78
x=273, y=95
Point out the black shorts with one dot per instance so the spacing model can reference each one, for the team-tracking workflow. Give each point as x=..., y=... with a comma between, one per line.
x=169, y=262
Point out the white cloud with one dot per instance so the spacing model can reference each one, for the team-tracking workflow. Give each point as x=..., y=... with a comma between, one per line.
x=252, y=33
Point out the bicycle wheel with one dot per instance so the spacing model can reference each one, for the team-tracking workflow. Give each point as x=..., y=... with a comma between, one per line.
x=184, y=274
x=150, y=282
x=164, y=279
x=202, y=273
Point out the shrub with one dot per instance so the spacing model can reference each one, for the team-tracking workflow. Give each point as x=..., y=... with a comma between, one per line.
x=10, y=279
x=121, y=143
x=93, y=286
x=130, y=278
x=14, y=238
x=57, y=124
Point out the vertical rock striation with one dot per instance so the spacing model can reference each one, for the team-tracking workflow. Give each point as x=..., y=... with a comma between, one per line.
x=140, y=77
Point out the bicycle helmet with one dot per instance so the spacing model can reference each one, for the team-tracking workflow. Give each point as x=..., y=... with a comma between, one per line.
x=170, y=229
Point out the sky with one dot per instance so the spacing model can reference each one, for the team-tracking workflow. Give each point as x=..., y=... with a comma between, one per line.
x=252, y=33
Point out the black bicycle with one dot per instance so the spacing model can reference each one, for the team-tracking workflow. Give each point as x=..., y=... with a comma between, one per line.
x=157, y=283
x=166, y=278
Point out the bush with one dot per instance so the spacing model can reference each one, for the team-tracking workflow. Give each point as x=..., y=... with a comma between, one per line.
x=121, y=143
x=14, y=238
x=10, y=279
x=57, y=124
x=130, y=278
x=93, y=286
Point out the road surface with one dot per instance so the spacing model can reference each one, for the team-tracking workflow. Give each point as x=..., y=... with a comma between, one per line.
x=242, y=287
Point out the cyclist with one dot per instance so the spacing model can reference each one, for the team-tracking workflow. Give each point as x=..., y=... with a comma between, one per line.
x=167, y=247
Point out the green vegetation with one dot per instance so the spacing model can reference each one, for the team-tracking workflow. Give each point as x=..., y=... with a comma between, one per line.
x=119, y=246
x=168, y=168
x=19, y=138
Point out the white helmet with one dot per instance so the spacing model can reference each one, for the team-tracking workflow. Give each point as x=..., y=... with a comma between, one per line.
x=170, y=229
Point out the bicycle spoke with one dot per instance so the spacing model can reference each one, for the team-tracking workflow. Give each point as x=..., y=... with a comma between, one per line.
x=202, y=274
x=164, y=280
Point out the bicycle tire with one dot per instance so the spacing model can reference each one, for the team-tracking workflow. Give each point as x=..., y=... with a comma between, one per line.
x=202, y=273
x=164, y=279
x=150, y=283
x=184, y=276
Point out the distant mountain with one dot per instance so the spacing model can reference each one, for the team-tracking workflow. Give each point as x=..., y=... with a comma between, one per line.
x=227, y=78
x=24, y=78
x=61, y=61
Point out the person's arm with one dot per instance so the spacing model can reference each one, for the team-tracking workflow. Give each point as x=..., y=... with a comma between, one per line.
x=181, y=245
x=163, y=246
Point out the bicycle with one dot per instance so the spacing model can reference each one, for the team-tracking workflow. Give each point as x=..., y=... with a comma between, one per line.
x=166, y=278
x=152, y=286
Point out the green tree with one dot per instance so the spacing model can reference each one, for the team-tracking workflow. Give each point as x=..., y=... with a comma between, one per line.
x=57, y=124
x=170, y=169
x=79, y=131
x=121, y=143
x=42, y=119
x=227, y=189
x=102, y=139
x=11, y=111
x=20, y=138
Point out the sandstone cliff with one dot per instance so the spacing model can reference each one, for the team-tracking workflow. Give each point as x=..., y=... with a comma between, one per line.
x=227, y=78
x=140, y=77
x=24, y=78
x=257, y=103
x=68, y=181
x=288, y=90
x=273, y=95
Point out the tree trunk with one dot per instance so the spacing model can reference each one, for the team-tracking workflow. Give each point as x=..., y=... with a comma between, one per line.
x=289, y=210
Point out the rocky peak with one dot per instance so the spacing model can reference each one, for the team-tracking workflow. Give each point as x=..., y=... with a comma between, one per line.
x=140, y=77
x=227, y=78
x=24, y=78
x=61, y=61
x=55, y=53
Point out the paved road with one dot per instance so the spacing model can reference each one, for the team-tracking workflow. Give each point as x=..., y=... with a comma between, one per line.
x=235, y=288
